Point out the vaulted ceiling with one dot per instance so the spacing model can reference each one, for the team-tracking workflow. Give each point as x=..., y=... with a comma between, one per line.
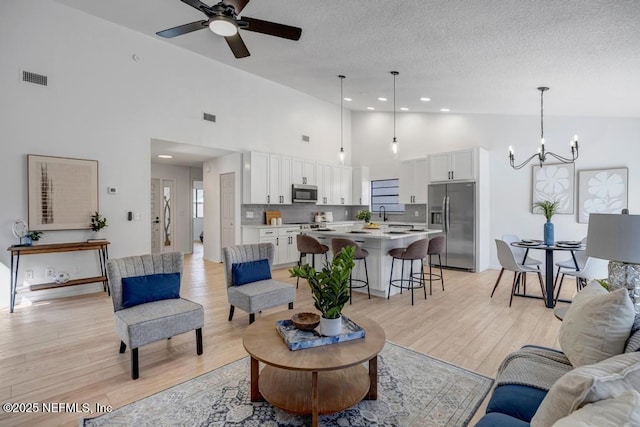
x=471, y=56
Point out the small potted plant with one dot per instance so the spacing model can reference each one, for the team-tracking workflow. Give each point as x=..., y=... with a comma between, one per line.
x=364, y=215
x=547, y=208
x=98, y=222
x=34, y=235
x=330, y=288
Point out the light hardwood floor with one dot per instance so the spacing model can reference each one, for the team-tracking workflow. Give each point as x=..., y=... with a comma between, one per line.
x=65, y=350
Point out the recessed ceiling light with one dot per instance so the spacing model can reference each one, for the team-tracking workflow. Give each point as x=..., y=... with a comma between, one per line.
x=370, y=108
x=425, y=99
x=382, y=98
x=348, y=99
x=445, y=110
x=165, y=156
x=404, y=108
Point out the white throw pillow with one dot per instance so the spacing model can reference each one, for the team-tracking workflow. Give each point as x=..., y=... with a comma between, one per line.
x=597, y=325
x=587, y=384
x=622, y=411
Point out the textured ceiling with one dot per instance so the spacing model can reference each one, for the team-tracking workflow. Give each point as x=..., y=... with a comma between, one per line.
x=472, y=56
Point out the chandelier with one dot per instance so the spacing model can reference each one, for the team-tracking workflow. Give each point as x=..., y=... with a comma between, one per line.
x=542, y=154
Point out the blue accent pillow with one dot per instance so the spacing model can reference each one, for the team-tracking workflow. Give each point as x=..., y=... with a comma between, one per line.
x=250, y=271
x=153, y=287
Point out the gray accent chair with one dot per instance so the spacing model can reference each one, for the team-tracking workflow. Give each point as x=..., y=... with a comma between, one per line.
x=257, y=296
x=153, y=321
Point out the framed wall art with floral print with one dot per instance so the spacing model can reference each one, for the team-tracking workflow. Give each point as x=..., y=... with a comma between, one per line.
x=554, y=182
x=601, y=191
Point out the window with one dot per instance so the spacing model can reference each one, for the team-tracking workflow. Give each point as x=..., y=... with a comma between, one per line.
x=198, y=202
x=386, y=192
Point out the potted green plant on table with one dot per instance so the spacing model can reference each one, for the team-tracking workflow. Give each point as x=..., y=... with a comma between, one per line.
x=364, y=215
x=34, y=235
x=547, y=208
x=98, y=222
x=330, y=288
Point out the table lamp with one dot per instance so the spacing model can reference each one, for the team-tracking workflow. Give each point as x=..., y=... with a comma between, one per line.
x=616, y=237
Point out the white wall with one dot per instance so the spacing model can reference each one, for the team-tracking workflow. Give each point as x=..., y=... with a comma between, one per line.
x=101, y=104
x=604, y=143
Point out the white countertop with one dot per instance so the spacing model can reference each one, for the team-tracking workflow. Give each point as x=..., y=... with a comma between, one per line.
x=378, y=234
x=340, y=223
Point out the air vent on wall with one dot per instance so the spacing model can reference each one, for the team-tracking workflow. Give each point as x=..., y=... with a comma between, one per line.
x=306, y=138
x=209, y=117
x=29, y=77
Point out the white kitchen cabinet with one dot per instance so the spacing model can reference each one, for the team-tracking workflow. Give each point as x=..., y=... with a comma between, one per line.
x=413, y=181
x=286, y=246
x=361, y=192
x=452, y=166
x=341, y=185
x=303, y=172
x=255, y=182
x=325, y=188
x=279, y=180
x=266, y=179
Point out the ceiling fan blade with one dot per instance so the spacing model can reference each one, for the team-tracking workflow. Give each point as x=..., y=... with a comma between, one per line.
x=237, y=4
x=272, y=28
x=237, y=46
x=196, y=4
x=183, y=29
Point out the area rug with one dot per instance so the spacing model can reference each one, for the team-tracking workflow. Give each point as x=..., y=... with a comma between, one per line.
x=413, y=390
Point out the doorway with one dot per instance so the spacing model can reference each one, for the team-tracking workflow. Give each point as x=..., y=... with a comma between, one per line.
x=227, y=209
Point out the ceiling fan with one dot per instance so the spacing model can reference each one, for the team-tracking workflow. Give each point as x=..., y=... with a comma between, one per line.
x=222, y=19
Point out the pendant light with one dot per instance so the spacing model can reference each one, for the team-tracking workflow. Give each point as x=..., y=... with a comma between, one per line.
x=341, y=154
x=395, y=147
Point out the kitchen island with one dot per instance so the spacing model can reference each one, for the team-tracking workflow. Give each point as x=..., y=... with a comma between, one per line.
x=377, y=242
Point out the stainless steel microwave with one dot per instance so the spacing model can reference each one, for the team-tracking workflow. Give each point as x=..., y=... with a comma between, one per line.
x=302, y=193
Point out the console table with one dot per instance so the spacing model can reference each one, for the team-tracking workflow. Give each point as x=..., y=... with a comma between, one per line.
x=17, y=251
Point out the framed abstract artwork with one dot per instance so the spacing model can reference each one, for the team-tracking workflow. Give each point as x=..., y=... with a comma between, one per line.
x=602, y=191
x=63, y=192
x=554, y=182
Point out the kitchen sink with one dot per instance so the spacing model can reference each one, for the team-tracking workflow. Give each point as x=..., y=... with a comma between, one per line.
x=398, y=232
x=324, y=229
x=359, y=232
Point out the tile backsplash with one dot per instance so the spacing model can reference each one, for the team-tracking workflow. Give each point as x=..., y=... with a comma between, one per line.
x=306, y=213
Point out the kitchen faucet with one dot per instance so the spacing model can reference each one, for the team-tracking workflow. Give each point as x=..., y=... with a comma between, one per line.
x=380, y=213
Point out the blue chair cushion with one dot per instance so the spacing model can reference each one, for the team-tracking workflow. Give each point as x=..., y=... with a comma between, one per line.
x=138, y=290
x=518, y=401
x=250, y=271
x=496, y=419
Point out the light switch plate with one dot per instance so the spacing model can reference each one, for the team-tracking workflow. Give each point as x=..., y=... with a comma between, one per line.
x=249, y=214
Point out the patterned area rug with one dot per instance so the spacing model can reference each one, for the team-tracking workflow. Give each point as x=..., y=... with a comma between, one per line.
x=413, y=390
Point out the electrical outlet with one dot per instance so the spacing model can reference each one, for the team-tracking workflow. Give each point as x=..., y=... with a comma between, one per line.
x=249, y=214
x=416, y=213
x=346, y=212
x=51, y=272
x=28, y=275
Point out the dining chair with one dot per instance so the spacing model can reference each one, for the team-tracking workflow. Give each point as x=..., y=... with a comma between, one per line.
x=518, y=253
x=594, y=268
x=569, y=264
x=508, y=262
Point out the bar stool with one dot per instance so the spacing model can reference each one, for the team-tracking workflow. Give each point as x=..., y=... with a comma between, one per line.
x=308, y=245
x=360, y=255
x=436, y=247
x=415, y=251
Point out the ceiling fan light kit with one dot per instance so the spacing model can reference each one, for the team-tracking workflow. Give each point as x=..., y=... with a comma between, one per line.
x=222, y=19
x=223, y=26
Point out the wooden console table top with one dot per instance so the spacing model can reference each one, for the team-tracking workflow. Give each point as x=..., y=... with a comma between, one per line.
x=57, y=247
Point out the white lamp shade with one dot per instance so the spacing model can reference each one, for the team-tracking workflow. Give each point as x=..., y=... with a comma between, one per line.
x=615, y=237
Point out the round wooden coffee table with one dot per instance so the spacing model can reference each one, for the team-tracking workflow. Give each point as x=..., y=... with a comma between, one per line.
x=319, y=380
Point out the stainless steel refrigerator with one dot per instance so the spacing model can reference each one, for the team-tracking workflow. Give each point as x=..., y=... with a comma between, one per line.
x=452, y=209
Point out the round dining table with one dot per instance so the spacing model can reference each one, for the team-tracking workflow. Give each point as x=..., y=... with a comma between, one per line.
x=548, y=261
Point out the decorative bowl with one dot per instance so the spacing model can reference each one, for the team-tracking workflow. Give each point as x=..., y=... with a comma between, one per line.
x=305, y=321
